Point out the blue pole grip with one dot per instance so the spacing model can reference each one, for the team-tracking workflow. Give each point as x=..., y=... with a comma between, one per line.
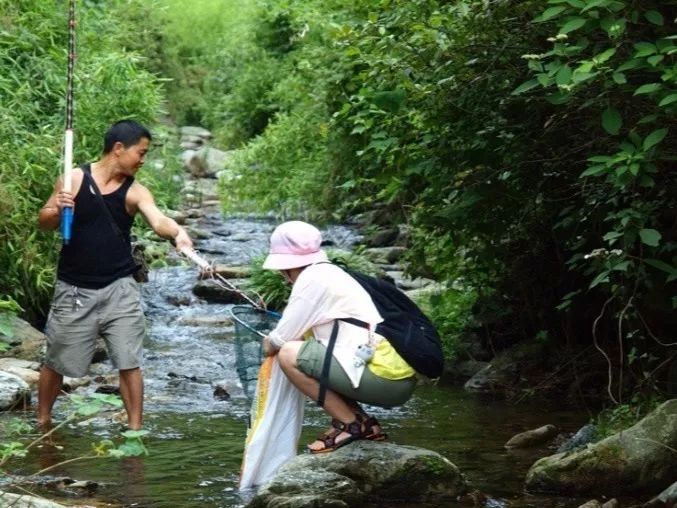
x=66, y=224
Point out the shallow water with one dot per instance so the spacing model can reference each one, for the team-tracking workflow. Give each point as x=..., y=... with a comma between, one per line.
x=196, y=441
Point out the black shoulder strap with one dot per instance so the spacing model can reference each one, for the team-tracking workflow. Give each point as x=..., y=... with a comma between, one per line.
x=324, y=376
x=86, y=171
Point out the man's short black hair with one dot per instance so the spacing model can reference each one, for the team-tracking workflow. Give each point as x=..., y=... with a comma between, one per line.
x=127, y=132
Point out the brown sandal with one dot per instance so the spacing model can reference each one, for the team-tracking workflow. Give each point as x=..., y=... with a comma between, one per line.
x=328, y=439
x=368, y=424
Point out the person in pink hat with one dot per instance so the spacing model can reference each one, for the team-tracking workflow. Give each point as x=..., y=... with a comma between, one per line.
x=326, y=301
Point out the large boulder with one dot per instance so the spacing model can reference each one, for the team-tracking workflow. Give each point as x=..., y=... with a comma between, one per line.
x=14, y=391
x=207, y=162
x=25, y=501
x=638, y=460
x=503, y=374
x=666, y=499
x=21, y=331
x=383, y=473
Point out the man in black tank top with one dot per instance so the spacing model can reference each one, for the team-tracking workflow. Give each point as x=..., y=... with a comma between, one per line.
x=95, y=292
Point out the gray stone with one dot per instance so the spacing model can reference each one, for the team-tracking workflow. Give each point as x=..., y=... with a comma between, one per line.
x=584, y=435
x=383, y=237
x=14, y=391
x=533, y=437
x=25, y=501
x=191, y=130
x=666, y=499
x=388, y=255
x=211, y=291
x=21, y=331
x=207, y=162
x=503, y=372
x=384, y=473
x=591, y=504
x=611, y=503
x=638, y=460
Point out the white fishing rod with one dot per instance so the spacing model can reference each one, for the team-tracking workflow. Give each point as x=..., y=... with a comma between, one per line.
x=67, y=212
x=208, y=269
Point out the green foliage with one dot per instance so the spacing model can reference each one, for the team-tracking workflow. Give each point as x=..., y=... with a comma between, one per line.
x=275, y=290
x=622, y=416
x=111, y=83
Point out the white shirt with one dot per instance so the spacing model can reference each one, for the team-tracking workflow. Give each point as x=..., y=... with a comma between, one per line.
x=322, y=293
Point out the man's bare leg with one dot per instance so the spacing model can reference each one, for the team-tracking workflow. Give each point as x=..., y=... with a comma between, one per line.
x=131, y=390
x=49, y=387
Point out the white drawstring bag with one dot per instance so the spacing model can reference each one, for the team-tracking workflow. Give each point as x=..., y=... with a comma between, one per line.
x=277, y=417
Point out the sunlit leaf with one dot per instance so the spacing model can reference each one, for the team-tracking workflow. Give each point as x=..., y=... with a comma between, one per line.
x=650, y=237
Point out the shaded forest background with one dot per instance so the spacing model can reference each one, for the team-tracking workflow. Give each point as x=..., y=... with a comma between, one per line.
x=527, y=148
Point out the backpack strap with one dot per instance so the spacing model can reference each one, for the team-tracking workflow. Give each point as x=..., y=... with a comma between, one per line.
x=326, y=365
x=324, y=376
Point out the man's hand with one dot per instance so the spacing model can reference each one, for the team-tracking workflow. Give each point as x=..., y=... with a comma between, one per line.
x=182, y=240
x=64, y=199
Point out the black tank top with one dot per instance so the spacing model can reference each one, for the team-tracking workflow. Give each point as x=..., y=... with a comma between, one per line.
x=97, y=255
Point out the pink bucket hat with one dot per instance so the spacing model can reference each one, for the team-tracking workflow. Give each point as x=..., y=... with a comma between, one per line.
x=294, y=244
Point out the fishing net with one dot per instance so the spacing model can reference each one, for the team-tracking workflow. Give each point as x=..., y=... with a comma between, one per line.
x=251, y=325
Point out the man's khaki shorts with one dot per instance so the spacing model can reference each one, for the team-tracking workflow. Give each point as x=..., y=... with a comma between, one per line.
x=373, y=389
x=79, y=316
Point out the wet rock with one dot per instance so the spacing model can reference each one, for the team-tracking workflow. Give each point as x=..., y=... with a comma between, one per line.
x=505, y=370
x=198, y=234
x=405, y=283
x=383, y=237
x=584, y=435
x=26, y=501
x=14, y=392
x=17, y=362
x=463, y=370
x=389, y=255
x=211, y=291
x=638, y=460
x=207, y=161
x=20, y=331
x=192, y=130
x=532, y=437
x=220, y=393
x=591, y=504
x=611, y=503
x=207, y=321
x=108, y=389
x=73, y=383
x=383, y=473
x=666, y=499
x=30, y=376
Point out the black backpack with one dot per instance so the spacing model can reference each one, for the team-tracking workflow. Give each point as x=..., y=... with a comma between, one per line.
x=404, y=325
x=407, y=329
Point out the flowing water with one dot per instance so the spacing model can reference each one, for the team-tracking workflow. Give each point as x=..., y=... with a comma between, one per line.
x=196, y=440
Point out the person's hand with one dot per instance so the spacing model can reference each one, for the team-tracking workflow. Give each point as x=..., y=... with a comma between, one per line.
x=268, y=349
x=182, y=240
x=64, y=199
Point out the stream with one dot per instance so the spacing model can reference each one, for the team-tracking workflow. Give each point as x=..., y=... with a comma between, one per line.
x=196, y=439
